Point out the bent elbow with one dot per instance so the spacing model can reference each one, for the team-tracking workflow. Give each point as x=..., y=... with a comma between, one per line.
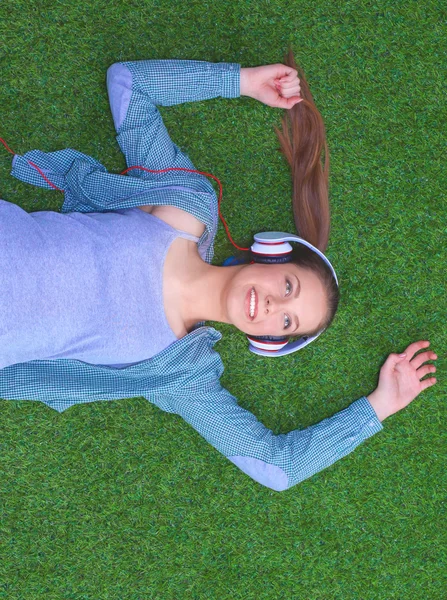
x=264, y=473
x=119, y=88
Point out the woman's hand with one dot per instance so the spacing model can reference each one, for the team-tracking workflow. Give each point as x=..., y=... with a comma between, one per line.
x=400, y=380
x=274, y=85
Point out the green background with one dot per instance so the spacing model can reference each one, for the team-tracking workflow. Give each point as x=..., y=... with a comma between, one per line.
x=121, y=501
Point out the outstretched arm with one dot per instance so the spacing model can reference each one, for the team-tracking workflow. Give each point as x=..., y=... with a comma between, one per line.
x=281, y=461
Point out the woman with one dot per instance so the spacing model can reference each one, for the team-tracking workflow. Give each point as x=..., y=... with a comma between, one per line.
x=90, y=317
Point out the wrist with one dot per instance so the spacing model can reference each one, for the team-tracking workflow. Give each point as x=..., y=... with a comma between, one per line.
x=245, y=81
x=379, y=405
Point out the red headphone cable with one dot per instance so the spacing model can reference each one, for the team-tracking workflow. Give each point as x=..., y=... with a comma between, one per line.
x=219, y=200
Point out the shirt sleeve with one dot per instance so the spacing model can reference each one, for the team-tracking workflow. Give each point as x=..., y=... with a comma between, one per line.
x=276, y=461
x=137, y=88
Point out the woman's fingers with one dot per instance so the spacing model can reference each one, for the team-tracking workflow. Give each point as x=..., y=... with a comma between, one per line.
x=286, y=102
x=288, y=87
x=285, y=73
x=427, y=383
x=286, y=84
x=421, y=358
x=289, y=93
x=415, y=347
x=425, y=370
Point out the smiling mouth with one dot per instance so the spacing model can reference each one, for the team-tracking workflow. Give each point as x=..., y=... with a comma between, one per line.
x=251, y=304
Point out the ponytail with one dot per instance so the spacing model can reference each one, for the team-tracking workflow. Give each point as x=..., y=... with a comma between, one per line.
x=303, y=143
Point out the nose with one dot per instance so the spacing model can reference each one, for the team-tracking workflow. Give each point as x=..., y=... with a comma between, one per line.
x=272, y=304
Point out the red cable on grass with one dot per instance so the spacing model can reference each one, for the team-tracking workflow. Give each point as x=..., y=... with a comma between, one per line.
x=149, y=171
x=6, y=146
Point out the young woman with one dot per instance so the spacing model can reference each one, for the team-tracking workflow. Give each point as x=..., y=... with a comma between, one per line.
x=103, y=301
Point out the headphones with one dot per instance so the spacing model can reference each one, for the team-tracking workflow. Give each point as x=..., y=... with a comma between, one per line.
x=272, y=247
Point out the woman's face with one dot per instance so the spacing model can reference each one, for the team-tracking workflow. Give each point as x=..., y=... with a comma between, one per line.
x=276, y=300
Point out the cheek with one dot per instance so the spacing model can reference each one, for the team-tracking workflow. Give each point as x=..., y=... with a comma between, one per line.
x=235, y=304
x=268, y=326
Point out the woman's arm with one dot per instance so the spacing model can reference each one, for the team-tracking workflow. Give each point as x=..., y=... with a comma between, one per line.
x=137, y=88
x=281, y=461
x=276, y=461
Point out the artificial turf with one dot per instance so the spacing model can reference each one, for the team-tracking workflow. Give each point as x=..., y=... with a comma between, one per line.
x=121, y=501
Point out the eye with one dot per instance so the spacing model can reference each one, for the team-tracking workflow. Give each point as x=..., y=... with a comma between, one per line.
x=288, y=288
x=286, y=321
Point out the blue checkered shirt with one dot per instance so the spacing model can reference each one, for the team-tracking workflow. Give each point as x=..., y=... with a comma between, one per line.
x=183, y=378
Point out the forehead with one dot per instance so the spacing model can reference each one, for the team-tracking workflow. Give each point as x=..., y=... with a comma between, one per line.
x=311, y=305
x=291, y=268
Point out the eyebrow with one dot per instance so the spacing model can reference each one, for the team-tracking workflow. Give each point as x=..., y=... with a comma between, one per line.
x=298, y=287
x=296, y=294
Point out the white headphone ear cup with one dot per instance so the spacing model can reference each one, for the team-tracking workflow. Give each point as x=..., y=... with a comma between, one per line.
x=270, y=239
x=288, y=348
x=270, y=249
x=268, y=343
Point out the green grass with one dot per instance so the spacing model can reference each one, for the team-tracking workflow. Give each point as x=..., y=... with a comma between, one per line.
x=121, y=501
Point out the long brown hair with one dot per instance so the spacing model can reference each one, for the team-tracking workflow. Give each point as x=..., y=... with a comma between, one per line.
x=303, y=143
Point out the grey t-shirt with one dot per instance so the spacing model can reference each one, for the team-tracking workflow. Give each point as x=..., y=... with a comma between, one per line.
x=87, y=286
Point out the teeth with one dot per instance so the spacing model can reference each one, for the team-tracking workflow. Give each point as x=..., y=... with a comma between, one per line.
x=252, y=303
